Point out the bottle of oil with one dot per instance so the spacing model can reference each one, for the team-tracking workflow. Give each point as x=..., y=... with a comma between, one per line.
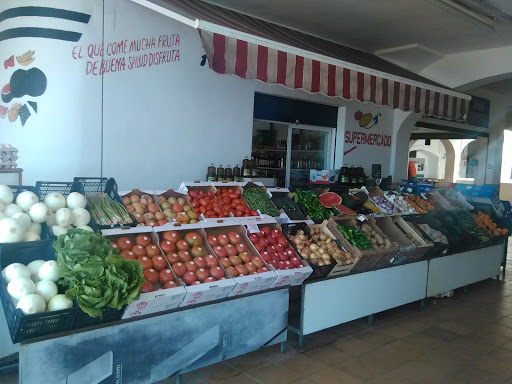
x=246, y=166
x=220, y=173
x=254, y=168
x=212, y=173
x=236, y=173
x=229, y=173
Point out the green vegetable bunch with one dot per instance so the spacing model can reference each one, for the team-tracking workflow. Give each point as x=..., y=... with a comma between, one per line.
x=309, y=200
x=257, y=199
x=95, y=274
x=357, y=238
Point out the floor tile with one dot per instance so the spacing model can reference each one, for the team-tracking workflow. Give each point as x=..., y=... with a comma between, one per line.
x=329, y=355
x=249, y=361
x=352, y=346
x=334, y=376
x=303, y=365
x=375, y=338
x=273, y=374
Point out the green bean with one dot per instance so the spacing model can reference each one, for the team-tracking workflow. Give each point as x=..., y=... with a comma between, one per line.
x=257, y=199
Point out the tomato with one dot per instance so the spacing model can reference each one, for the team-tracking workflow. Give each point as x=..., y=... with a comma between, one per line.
x=209, y=194
x=211, y=213
x=254, y=213
x=221, y=215
x=234, y=205
x=195, y=203
x=193, y=193
x=227, y=207
x=241, y=209
x=238, y=214
x=226, y=200
x=209, y=207
x=202, y=209
x=237, y=192
x=203, y=202
x=232, y=196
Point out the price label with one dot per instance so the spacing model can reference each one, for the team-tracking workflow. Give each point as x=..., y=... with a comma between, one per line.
x=253, y=228
x=361, y=218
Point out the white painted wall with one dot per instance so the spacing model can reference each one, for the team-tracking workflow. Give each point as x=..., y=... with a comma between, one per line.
x=434, y=155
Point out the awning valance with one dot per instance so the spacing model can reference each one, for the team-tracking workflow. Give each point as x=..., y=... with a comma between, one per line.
x=230, y=55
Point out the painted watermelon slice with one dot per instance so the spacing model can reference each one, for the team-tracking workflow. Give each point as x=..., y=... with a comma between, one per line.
x=328, y=199
x=344, y=210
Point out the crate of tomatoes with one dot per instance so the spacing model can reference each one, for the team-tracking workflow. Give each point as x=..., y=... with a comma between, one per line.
x=203, y=200
x=233, y=202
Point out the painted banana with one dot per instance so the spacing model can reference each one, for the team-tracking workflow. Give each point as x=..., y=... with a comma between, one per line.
x=27, y=58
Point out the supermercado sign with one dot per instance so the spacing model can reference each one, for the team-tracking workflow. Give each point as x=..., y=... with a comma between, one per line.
x=353, y=137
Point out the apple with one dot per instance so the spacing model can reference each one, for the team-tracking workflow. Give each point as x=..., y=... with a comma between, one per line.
x=288, y=264
x=300, y=266
x=152, y=250
x=197, y=251
x=179, y=269
x=211, y=261
x=264, y=242
x=235, y=260
x=182, y=245
x=143, y=240
x=128, y=254
x=217, y=272
x=212, y=240
x=191, y=266
x=189, y=277
x=165, y=275
x=171, y=236
x=272, y=240
x=241, y=269
x=173, y=258
x=113, y=244
x=271, y=249
x=282, y=240
x=276, y=233
x=267, y=257
x=245, y=257
x=124, y=243
x=257, y=261
x=193, y=239
x=275, y=258
x=225, y=262
x=230, y=249
x=147, y=287
x=259, y=247
x=295, y=261
x=223, y=239
x=281, y=265
x=290, y=252
x=260, y=234
x=159, y=263
x=209, y=280
x=150, y=275
x=266, y=230
x=202, y=274
x=170, y=284
x=279, y=247
x=220, y=251
x=145, y=262
x=241, y=247
x=167, y=246
x=200, y=262
x=232, y=271
x=262, y=269
x=234, y=238
x=139, y=250
x=253, y=238
x=250, y=267
x=273, y=264
x=283, y=256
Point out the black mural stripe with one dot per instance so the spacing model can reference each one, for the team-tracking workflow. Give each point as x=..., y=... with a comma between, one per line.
x=45, y=12
x=44, y=33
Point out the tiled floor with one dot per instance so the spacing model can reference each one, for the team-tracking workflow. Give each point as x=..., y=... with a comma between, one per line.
x=464, y=339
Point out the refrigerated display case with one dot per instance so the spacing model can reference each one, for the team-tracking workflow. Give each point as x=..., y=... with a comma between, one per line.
x=287, y=152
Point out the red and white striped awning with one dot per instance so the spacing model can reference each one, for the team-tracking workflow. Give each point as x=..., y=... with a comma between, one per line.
x=251, y=60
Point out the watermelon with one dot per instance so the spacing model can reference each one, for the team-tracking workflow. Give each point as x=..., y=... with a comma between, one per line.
x=328, y=199
x=343, y=210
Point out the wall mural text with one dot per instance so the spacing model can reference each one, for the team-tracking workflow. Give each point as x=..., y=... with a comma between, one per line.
x=124, y=55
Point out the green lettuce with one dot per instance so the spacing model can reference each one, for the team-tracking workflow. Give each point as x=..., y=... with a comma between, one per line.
x=94, y=274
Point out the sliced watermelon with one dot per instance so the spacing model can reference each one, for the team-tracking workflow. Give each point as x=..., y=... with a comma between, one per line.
x=344, y=210
x=328, y=199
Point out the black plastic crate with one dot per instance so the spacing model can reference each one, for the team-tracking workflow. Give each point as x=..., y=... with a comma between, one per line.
x=44, y=188
x=318, y=271
x=108, y=186
x=23, y=327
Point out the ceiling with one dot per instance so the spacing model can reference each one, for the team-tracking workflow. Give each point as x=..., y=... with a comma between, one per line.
x=502, y=87
x=372, y=25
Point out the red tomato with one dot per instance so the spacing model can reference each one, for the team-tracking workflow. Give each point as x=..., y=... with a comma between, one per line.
x=237, y=192
x=236, y=201
x=159, y=263
x=145, y=262
x=240, y=208
x=209, y=194
x=203, y=202
x=151, y=275
x=254, y=213
x=147, y=287
x=195, y=203
x=232, y=196
x=211, y=213
x=202, y=209
x=209, y=207
x=226, y=207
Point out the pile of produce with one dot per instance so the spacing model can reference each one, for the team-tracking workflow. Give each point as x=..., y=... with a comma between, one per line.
x=94, y=274
x=67, y=212
x=311, y=204
x=177, y=209
x=320, y=249
x=400, y=203
x=258, y=200
x=233, y=203
x=485, y=222
x=144, y=209
x=33, y=287
x=329, y=199
x=156, y=273
x=288, y=205
x=207, y=204
x=384, y=204
x=235, y=256
x=107, y=211
x=355, y=237
x=188, y=258
x=22, y=220
x=274, y=248
x=419, y=204
x=436, y=236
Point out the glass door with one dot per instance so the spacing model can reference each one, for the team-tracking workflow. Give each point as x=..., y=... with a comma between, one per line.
x=310, y=147
x=269, y=149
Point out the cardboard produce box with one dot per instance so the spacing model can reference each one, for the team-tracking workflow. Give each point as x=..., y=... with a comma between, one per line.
x=295, y=276
x=407, y=250
x=249, y=283
x=178, y=195
x=422, y=246
x=140, y=217
x=150, y=302
x=205, y=292
x=282, y=217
